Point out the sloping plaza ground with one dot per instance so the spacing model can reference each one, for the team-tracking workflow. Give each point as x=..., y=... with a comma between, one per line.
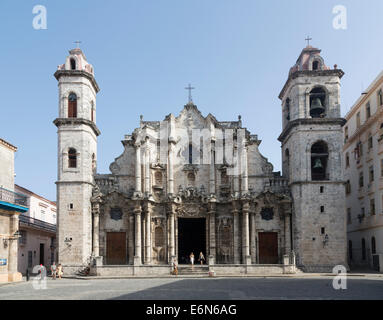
x=366, y=286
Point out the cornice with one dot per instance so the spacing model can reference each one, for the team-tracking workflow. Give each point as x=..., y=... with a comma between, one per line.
x=312, y=73
x=77, y=73
x=309, y=121
x=72, y=121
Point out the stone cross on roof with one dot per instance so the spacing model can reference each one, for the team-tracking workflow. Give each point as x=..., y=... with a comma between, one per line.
x=190, y=88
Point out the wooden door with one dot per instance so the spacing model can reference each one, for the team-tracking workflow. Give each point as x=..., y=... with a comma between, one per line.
x=268, y=247
x=116, y=248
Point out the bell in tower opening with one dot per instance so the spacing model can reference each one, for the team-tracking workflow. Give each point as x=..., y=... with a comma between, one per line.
x=319, y=156
x=317, y=99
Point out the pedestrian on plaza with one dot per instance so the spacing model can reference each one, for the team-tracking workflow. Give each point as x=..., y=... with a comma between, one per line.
x=192, y=259
x=59, y=270
x=175, y=267
x=201, y=258
x=53, y=270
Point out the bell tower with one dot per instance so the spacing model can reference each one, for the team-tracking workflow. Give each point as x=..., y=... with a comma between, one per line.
x=77, y=156
x=311, y=159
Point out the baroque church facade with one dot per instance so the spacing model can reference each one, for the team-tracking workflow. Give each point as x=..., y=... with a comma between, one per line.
x=192, y=183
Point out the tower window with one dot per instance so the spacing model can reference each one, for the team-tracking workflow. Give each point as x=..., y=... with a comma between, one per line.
x=348, y=187
x=316, y=65
x=72, y=106
x=287, y=108
x=321, y=209
x=319, y=159
x=72, y=64
x=72, y=157
x=321, y=189
x=317, y=102
x=322, y=230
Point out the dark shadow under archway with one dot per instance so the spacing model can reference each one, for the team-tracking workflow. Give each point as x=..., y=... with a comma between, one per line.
x=191, y=238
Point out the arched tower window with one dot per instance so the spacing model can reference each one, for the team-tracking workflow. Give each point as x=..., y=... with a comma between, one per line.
x=363, y=249
x=72, y=106
x=317, y=102
x=72, y=64
x=319, y=159
x=287, y=162
x=316, y=65
x=287, y=108
x=72, y=158
x=373, y=245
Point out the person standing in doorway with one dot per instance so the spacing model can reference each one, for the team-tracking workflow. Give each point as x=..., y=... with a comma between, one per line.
x=201, y=258
x=192, y=259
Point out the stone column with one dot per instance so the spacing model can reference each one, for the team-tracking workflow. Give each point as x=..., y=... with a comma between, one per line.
x=13, y=246
x=147, y=167
x=244, y=171
x=137, y=253
x=172, y=233
x=212, y=240
x=170, y=171
x=131, y=239
x=287, y=233
x=148, y=237
x=212, y=170
x=96, y=230
x=245, y=233
x=253, y=249
x=138, y=168
x=234, y=211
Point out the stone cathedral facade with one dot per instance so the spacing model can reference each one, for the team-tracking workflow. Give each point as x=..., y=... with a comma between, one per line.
x=191, y=183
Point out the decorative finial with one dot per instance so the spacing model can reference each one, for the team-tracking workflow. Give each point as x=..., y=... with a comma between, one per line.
x=308, y=40
x=190, y=88
x=335, y=66
x=141, y=117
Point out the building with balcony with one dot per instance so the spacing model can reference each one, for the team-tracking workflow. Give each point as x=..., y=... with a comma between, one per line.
x=363, y=167
x=37, y=228
x=12, y=204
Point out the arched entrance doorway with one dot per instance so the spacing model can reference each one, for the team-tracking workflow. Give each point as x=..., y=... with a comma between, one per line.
x=191, y=238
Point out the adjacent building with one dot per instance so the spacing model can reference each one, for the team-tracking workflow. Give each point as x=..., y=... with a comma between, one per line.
x=363, y=166
x=12, y=204
x=37, y=228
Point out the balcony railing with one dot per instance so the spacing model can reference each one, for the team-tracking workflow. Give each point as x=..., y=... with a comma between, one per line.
x=13, y=197
x=36, y=223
